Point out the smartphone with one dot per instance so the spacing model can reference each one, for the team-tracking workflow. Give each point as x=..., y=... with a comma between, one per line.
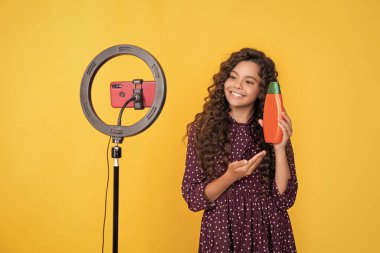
x=123, y=90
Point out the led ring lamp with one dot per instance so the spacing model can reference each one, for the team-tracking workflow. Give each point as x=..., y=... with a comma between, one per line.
x=118, y=132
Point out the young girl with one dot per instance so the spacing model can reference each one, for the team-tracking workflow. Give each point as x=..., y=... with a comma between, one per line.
x=244, y=185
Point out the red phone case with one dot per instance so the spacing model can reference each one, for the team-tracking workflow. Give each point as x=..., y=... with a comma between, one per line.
x=122, y=91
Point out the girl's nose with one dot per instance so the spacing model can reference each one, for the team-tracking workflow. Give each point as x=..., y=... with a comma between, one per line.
x=237, y=84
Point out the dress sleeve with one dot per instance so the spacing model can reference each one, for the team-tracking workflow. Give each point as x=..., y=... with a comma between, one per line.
x=286, y=200
x=194, y=183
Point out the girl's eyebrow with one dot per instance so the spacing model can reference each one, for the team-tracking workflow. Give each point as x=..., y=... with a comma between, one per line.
x=246, y=76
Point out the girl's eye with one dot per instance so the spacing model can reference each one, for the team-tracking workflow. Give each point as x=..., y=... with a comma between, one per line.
x=232, y=77
x=249, y=82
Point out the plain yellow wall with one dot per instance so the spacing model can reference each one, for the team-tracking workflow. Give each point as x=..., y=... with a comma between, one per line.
x=53, y=162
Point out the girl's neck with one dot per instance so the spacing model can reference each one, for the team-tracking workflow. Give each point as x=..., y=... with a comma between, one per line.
x=241, y=116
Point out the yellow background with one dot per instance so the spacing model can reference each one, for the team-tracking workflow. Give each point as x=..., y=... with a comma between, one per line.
x=53, y=162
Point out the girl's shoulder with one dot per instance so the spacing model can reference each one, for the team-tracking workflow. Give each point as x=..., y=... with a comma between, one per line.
x=192, y=128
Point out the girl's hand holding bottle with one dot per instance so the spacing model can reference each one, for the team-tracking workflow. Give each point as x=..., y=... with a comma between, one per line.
x=285, y=123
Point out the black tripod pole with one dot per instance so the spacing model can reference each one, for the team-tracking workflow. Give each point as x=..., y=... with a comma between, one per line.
x=116, y=153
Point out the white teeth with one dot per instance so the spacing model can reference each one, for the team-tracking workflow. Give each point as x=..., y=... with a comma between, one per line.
x=236, y=94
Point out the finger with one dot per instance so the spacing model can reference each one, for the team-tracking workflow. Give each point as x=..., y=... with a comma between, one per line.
x=261, y=122
x=240, y=163
x=285, y=124
x=254, y=165
x=284, y=130
x=255, y=157
x=287, y=118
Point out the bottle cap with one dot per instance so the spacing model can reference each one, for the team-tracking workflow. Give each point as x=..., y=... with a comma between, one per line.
x=274, y=88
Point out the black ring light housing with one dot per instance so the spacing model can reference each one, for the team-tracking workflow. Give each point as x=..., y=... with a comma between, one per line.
x=115, y=131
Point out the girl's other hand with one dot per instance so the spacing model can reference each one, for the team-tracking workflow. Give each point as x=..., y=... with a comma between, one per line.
x=243, y=168
x=285, y=124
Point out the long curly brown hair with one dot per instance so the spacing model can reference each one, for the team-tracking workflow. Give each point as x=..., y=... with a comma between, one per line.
x=212, y=138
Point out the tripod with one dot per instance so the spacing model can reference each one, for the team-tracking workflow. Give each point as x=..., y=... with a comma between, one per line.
x=118, y=132
x=116, y=154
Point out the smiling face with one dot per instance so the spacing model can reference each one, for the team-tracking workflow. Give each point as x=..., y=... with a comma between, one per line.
x=242, y=86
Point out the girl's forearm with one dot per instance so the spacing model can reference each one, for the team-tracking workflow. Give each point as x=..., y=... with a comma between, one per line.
x=282, y=174
x=214, y=189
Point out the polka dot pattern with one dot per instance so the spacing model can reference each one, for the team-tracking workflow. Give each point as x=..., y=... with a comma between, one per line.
x=246, y=217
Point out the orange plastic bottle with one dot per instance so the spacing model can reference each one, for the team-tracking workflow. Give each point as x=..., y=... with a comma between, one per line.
x=273, y=107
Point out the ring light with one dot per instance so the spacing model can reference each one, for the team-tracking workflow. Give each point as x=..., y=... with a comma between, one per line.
x=88, y=78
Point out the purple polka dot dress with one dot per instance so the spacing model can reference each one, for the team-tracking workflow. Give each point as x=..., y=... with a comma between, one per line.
x=245, y=217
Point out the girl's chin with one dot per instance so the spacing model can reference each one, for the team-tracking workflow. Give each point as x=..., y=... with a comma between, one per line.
x=239, y=102
x=234, y=100
x=240, y=105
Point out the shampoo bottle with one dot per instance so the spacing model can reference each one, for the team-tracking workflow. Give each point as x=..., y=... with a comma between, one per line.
x=273, y=107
